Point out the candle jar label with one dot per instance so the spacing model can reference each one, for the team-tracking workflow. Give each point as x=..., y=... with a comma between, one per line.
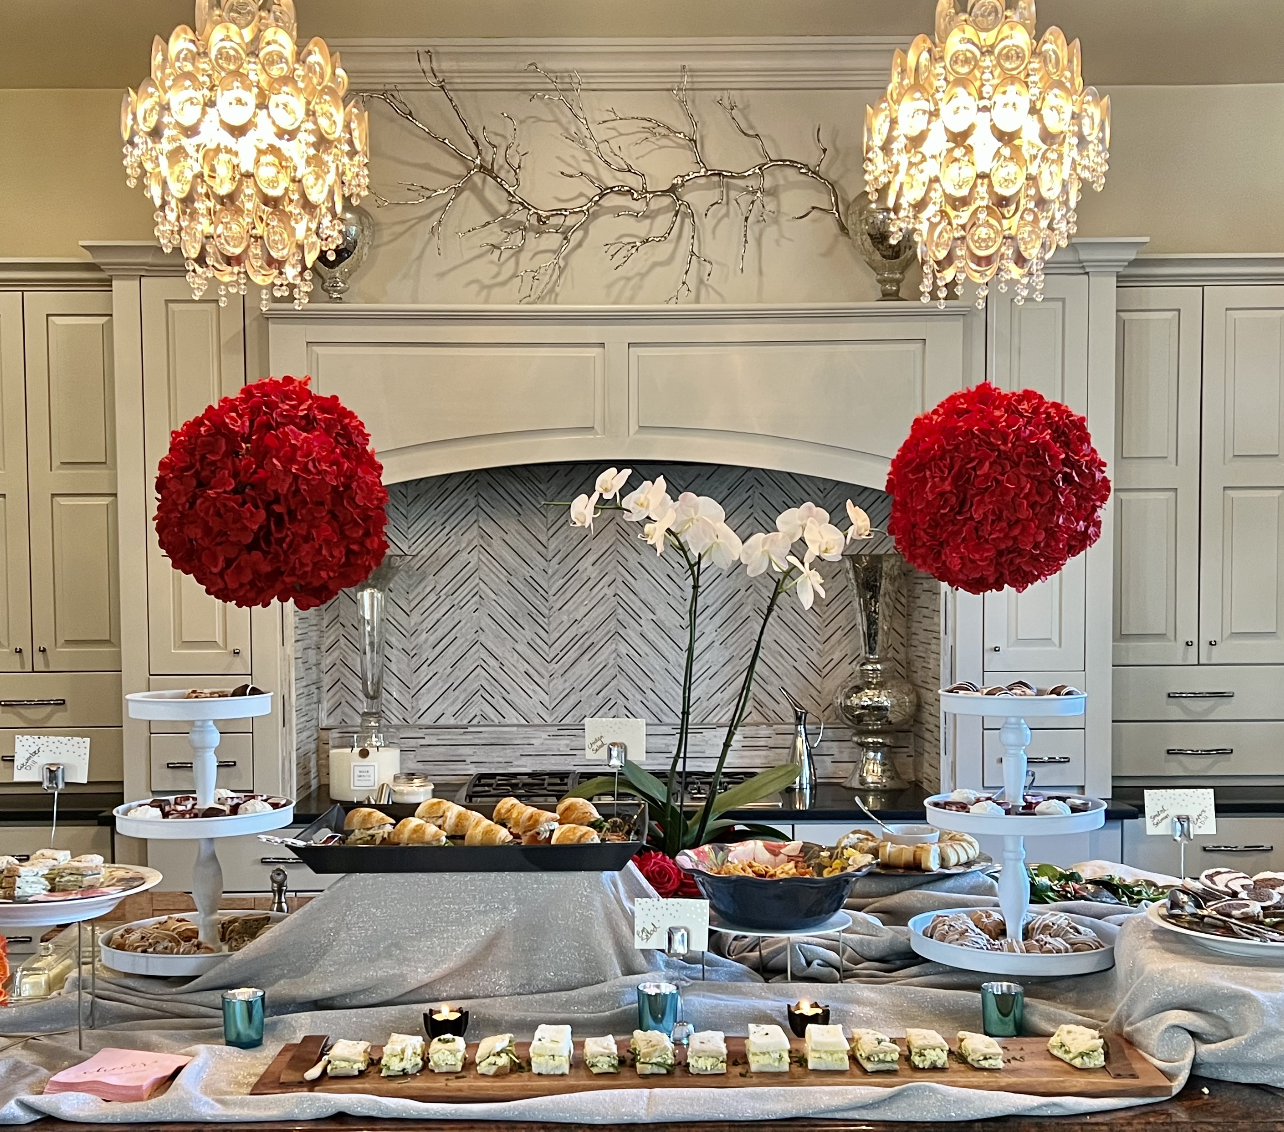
x=365, y=776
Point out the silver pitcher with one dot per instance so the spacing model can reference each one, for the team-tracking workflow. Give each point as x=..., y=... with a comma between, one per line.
x=800, y=755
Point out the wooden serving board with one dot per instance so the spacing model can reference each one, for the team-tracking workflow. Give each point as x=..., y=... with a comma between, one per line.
x=1029, y=1068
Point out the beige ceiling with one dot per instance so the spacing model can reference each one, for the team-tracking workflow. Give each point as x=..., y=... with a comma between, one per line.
x=93, y=43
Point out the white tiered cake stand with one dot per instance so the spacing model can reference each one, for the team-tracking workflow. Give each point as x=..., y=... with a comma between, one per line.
x=202, y=714
x=1014, y=884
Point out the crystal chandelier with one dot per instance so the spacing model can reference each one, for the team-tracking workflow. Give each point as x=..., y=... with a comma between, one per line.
x=982, y=144
x=245, y=147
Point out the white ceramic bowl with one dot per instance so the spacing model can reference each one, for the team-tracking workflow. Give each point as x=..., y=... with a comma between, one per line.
x=905, y=833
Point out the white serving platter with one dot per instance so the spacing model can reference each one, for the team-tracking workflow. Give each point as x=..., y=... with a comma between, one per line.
x=168, y=966
x=190, y=829
x=1012, y=707
x=175, y=706
x=1010, y=963
x=73, y=907
x=1017, y=825
x=1240, y=948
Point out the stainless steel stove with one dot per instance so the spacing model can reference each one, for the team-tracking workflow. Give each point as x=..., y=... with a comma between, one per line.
x=548, y=787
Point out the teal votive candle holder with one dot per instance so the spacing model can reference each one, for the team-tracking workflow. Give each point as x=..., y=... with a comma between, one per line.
x=243, y=1017
x=659, y=1007
x=1002, y=1009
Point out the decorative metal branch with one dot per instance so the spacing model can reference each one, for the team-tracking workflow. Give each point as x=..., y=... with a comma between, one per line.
x=616, y=185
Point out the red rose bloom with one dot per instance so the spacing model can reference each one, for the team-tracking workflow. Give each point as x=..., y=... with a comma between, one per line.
x=664, y=876
x=274, y=494
x=995, y=489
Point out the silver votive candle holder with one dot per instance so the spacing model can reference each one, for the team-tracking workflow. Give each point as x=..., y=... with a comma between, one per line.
x=243, y=1017
x=659, y=1006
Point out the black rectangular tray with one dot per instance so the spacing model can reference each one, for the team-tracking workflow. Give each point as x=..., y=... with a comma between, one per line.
x=603, y=857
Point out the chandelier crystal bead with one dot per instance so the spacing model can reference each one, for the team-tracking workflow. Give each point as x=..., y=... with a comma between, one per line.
x=246, y=148
x=982, y=145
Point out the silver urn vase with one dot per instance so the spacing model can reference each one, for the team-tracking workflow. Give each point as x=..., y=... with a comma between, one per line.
x=335, y=267
x=890, y=259
x=878, y=703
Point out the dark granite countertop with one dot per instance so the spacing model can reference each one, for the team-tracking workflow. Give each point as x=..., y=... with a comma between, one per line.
x=1231, y=801
x=73, y=808
x=833, y=802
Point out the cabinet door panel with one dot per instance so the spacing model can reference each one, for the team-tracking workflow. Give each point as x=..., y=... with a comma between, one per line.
x=1242, y=545
x=1156, y=475
x=193, y=355
x=71, y=469
x=15, y=577
x=1041, y=346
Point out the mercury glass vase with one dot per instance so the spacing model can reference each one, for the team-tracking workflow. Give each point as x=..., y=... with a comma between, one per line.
x=335, y=267
x=372, y=601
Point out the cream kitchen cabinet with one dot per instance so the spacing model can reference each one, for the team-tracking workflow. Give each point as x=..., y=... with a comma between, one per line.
x=15, y=561
x=193, y=355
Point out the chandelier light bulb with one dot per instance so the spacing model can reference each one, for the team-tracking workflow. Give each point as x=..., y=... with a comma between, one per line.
x=982, y=145
x=246, y=148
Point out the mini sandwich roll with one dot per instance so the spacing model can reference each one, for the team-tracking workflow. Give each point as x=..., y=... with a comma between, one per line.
x=459, y=821
x=485, y=832
x=363, y=817
x=527, y=819
x=435, y=810
x=577, y=811
x=505, y=808
x=574, y=835
x=415, y=831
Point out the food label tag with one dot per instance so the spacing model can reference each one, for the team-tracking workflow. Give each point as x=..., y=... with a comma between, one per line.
x=652, y=920
x=365, y=776
x=31, y=752
x=1164, y=805
x=600, y=732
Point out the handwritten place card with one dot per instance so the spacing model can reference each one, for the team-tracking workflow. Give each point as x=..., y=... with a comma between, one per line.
x=652, y=920
x=1164, y=805
x=599, y=732
x=31, y=752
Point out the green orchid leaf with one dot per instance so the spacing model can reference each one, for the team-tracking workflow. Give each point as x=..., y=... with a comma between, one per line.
x=716, y=827
x=760, y=786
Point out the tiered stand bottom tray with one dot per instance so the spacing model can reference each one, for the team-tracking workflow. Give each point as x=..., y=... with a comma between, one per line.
x=1030, y=1069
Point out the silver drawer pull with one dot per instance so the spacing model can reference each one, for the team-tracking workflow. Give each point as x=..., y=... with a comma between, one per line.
x=1202, y=752
x=222, y=764
x=33, y=703
x=1201, y=695
x=1047, y=760
x=1238, y=848
x=20, y=938
x=279, y=861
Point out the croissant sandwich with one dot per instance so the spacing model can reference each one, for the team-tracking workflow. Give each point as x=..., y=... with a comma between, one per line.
x=434, y=810
x=574, y=835
x=505, y=808
x=458, y=821
x=416, y=831
x=577, y=811
x=367, y=826
x=483, y=832
x=527, y=819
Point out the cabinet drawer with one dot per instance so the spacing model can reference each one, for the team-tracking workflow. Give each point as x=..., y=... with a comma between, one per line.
x=1199, y=692
x=172, y=763
x=60, y=699
x=1055, y=756
x=16, y=839
x=106, y=750
x=205, y=683
x=247, y=864
x=1250, y=844
x=1145, y=749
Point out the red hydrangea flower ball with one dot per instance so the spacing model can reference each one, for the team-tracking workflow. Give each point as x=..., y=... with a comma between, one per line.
x=274, y=494
x=995, y=489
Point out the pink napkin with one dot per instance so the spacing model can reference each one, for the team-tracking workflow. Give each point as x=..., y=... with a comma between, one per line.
x=118, y=1074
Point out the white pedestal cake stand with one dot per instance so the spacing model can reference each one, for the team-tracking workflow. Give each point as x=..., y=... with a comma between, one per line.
x=1014, y=884
x=202, y=714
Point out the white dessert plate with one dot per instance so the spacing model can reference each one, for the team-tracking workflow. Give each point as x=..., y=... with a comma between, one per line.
x=1017, y=825
x=169, y=966
x=189, y=829
x=174, y=705
x=48, y=908
x=1010, y=963
x=1241, y=948
x=1012, y=707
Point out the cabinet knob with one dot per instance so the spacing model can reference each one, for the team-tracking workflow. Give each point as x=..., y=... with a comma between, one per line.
x=998, y=648
x=17, y=648
x=42, y=649
x=1190, y=644
x=1212, y=643
x=236, y=652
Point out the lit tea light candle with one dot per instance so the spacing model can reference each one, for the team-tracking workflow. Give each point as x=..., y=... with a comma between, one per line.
x=446, y=1019
x=806, y=1013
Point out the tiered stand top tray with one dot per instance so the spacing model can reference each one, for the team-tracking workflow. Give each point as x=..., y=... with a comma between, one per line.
x=1029, y=1069
x=75, y=907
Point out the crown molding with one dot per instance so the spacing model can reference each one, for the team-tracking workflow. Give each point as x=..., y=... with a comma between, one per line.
x=134, y=257
x=1200, y=269
x=52, y=274
x=793, y=63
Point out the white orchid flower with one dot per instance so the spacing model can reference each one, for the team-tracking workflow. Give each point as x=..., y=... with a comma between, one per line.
x=651, y=500
x=700, y=534
x=611, y=481
x=824, y=540
x=810, y=584
x=861, y=527
x=656, y=531
x=726, y=547
x=794, y=521
x=584, y=510
x=691, y=507
x=765, y=550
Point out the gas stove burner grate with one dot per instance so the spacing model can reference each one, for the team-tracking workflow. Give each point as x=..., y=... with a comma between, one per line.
x=535, y=789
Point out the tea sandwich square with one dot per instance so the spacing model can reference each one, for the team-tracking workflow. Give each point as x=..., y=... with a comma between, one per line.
x=927, y=1049
x=767, y=1049
x=652, y=1052
x=551, y=1050
x=826, y=1048
x=875, y=1052
x=707, y=1052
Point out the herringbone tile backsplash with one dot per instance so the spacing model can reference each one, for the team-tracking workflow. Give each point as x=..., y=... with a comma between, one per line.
x=510, y=627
